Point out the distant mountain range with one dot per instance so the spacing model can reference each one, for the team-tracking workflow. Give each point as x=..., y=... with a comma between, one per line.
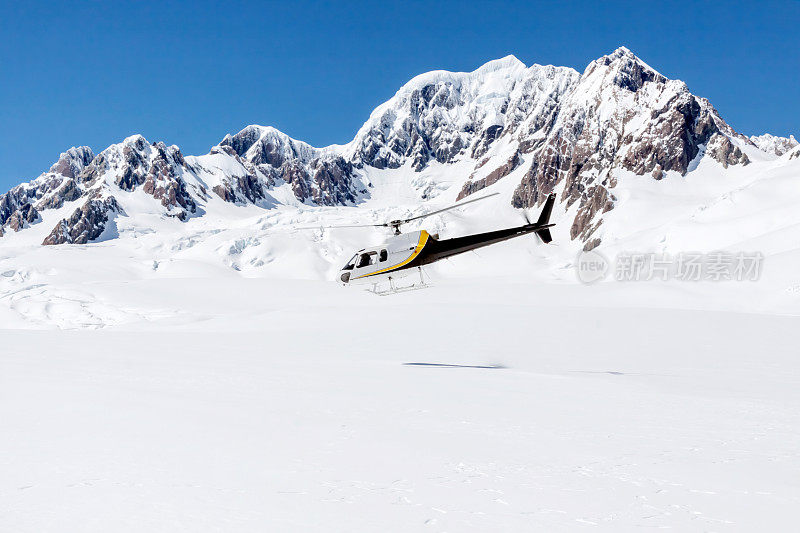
x=547, y=128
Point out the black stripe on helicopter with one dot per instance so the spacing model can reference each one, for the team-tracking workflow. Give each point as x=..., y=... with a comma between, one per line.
x=411, y=250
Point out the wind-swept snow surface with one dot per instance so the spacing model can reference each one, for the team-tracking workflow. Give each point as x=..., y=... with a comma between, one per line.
x=262, y=405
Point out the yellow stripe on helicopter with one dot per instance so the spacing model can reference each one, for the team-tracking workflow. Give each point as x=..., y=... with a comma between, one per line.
x=423, y=239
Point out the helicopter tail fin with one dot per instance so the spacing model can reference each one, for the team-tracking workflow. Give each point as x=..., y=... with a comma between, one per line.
x=544, y=219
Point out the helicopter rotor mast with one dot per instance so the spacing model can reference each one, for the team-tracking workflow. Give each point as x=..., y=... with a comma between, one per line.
x=395, y=224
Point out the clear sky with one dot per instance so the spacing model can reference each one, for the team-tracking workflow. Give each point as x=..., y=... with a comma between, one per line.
x=187, y=73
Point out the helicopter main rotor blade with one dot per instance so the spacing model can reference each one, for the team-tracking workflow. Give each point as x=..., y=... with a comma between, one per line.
x=395, y=224
x=451, y=207
x=343, y=226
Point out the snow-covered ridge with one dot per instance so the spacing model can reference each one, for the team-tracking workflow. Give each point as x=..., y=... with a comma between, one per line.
x=441, y=115
x=773, y=144
x=249, y=143
x=444, y=134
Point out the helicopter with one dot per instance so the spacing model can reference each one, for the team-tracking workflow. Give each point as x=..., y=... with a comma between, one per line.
x=404, y=251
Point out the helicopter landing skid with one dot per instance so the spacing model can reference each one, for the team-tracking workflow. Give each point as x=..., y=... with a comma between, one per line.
x=393, y=288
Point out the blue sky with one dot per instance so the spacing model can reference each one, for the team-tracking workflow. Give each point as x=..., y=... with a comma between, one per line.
x=188, y=73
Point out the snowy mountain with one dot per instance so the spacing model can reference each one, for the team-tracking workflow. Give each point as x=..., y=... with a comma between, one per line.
x=773, y=144
x=622, y=114
x=446, y=135
x=319, y=176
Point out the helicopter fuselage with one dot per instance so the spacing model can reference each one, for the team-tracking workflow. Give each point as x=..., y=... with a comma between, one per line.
x=411, y=250
x=418, y=248
x=400, y=252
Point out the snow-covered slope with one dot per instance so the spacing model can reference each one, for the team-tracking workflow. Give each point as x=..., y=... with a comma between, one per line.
x=233, y=404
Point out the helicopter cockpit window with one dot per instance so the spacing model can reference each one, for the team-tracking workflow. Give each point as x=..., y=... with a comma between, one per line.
x=368, y=258
x=384, y=256
x=351, y=264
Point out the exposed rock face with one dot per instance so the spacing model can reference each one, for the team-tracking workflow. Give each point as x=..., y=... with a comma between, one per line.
x=68, y=192
x=597, y=199
x=721, y=149
x=240, y=189
x=487, y=137
x=15, y=204
x=295, y=173
x=73, y=161
x=15, y=199
x=332, y=182
x=246, y=185
x=493, y=177
x=163, y=180
x=24, y=216
x=86, y=224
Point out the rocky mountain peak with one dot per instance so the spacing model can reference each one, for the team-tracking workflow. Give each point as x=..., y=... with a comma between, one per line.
x=157, y=169
x=445, y=116
x=265, y=145
x=623, y=69
x=73, y=161
x=622, y=115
